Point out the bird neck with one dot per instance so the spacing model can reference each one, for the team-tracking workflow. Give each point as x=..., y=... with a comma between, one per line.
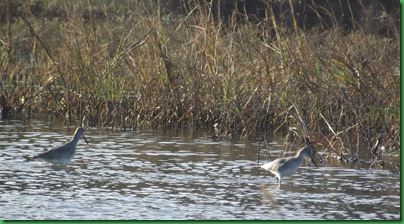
x=75, y=139
x=301, y=156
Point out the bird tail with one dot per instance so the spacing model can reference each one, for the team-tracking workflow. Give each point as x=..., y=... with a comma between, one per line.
x=30, y=158
x=266, y=166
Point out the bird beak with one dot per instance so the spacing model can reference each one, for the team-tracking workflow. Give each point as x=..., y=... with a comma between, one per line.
x=85, y=139
x=312, y=160
x=312, y=156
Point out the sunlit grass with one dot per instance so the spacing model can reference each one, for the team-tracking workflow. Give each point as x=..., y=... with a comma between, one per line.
x=106, y=64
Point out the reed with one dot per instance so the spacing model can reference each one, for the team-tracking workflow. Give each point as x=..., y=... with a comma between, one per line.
x=126, y=65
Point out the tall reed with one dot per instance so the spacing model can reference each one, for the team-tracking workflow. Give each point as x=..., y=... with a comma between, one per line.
x=120, y=65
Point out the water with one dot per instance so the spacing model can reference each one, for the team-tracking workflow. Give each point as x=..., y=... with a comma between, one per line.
x=166, y=175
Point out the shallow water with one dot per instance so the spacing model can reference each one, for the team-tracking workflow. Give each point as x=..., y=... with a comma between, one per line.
x=171, y=175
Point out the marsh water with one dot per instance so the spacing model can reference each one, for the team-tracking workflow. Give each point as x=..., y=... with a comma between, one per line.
x=178, y=175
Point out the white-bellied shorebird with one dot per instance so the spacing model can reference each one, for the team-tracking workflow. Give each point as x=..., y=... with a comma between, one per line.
x=287, y=166
x=63, y=154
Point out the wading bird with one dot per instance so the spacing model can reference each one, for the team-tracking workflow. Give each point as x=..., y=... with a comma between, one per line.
x=287, y=166
x=63, y=154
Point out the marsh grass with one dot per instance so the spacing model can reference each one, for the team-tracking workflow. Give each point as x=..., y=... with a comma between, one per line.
x=120, y=65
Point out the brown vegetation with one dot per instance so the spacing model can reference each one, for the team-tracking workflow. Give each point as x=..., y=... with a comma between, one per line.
x=116, y=64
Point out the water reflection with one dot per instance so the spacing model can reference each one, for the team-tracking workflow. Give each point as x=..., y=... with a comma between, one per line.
x=155, y=175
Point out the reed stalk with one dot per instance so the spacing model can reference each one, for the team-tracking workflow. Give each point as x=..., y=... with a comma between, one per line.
x=103, y=63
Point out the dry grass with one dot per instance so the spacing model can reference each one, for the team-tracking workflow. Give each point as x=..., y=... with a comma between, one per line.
x=107, y=64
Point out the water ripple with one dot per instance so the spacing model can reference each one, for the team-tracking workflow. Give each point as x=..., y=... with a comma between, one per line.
x=159, y=176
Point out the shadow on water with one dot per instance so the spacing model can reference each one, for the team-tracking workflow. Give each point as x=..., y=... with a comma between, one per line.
x=156, y=175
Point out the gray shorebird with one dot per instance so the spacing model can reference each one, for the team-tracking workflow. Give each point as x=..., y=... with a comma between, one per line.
x=287, y=166
x=63, y=154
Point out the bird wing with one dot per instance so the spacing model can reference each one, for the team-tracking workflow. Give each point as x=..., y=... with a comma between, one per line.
x=53, y=153
x=274, y=165
x=46, y=155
